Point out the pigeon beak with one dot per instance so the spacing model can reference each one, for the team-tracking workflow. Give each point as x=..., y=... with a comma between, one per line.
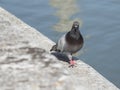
x=76, y=26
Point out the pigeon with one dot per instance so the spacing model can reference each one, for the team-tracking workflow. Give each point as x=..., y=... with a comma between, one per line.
x=70, y=43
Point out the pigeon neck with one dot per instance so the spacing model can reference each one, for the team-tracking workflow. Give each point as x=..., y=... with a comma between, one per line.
x=74, y=39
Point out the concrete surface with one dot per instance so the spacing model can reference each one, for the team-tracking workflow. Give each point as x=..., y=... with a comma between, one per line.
x=26, y=64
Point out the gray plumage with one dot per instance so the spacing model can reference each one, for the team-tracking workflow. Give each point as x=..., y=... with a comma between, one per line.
x=71, y=42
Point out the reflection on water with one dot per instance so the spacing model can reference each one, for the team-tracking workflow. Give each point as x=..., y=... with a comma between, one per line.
x=100, y=29
x=65, y=10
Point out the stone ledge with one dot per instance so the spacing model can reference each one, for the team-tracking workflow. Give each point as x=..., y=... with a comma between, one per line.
x=26, y=64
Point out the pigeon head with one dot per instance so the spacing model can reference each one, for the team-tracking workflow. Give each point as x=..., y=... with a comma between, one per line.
x=75, y=33
x=75, y=26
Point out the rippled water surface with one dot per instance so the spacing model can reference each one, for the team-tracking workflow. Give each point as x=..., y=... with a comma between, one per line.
x=99, y=21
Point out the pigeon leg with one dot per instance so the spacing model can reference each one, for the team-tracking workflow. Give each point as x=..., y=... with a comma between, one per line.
x=71, y=61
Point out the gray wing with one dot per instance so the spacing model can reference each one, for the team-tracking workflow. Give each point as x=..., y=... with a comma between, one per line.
x=61, y=43
x=63, y=46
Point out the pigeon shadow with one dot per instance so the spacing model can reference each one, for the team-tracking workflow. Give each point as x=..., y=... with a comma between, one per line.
x=62, y=57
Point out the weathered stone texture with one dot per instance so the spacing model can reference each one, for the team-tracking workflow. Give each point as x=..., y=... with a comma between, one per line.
x=26, y=64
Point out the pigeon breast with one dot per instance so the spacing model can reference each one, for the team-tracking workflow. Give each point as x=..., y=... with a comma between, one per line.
x=69, y=44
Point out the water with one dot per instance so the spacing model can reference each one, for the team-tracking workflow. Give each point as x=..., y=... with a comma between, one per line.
x=100, y=24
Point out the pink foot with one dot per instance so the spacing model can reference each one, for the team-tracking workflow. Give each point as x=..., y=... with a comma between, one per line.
x=72, y=63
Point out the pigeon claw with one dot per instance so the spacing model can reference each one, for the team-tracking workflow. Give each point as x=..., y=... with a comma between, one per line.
x=72, y=63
